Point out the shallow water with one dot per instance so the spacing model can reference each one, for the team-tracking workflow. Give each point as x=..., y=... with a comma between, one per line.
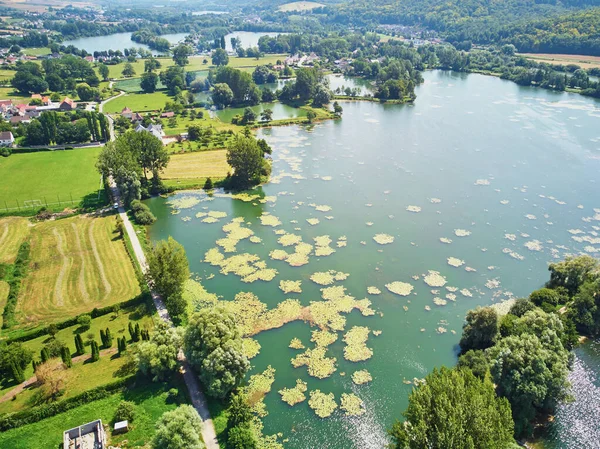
x=117, y=41
x=513, y=166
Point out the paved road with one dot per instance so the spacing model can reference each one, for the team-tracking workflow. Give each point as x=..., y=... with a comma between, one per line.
x=198, y=400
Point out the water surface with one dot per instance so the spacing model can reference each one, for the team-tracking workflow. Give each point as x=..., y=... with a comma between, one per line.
x=515, y=167
x=117, y=41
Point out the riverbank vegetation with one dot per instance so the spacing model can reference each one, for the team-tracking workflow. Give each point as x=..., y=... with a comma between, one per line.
x=497, y=356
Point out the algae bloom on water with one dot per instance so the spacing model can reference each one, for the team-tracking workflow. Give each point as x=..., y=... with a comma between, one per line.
x=323, y=404
x=361, y=377
x=293, y=396
x=383, y=239
x=352, y=404
x=400, y=288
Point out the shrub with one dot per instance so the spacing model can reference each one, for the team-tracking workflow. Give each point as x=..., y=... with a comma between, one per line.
x=125, y=411
x=84, y=321
x=142, y=213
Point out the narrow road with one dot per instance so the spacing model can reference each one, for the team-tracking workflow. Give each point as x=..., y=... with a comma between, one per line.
x=198, y=400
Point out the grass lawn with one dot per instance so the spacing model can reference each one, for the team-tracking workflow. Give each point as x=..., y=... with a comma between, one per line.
x=13, y=231
x=137, y=102
x=197, y=166
x=6, y=75
x=37, y=51
x=51, y=177
x=184, y=122
x=299, y=6
x=9, y=93
x=150, y=401
x=77, y=264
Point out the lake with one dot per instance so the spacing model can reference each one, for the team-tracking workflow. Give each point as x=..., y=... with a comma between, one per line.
x=248, y=39
x=506, y=176
x=117, y=41
x=280, y=111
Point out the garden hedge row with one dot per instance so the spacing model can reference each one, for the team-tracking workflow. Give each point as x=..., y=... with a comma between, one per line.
x=17, y=150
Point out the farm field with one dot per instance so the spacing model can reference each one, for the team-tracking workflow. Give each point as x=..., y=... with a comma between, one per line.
x=299, y=6
x=150, y=399
x=585, y=62
x=191, y=167
x=13, y=232
x=77, y=264
x=137, y=102
x=53, y=177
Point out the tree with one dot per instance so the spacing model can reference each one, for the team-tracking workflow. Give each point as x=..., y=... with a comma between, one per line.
x=476, y=361
x=219, y=57
x=104, y=71
x=151, y=64
x=51, y=377
x=128, y=70
x=174, y=79
x=321, y=96
x=125, y=412
x=66, y=357
x=149, y=82
x=453, y=409
x=545, y=298
x=532, y=375
x=55, y=83
x=585, y=309
x=241, y=437
x=95, y=351
x=85, y=92
x=306, y=83
x=181, y=54
x=521, y=307
x=239, y=411
x=168, y=267
x=573, y=272
x=194, y=132
x=208, y=184
x=261, y=74
x=179, y=429
x=266, y=115
x=213, y=345
x=79, y=346
x=222, y=95
x=13, y=356
x=158, y=356
x=311, y=116
x=84, y=322
x=481, y=329
x=249, y=116
x=337, y=109
x=129, y=185
x=246, y=159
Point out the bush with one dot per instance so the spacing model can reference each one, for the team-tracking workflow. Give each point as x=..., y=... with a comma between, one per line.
x=5, y=151
x=125, y=412
x=84, y=321
x=142, y=213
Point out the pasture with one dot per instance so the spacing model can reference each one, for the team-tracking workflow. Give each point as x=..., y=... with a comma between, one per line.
x=299, y=6
x=583, y=61
x=52, y=177
x=77, y=264
x=13, y=232
x=137, y=102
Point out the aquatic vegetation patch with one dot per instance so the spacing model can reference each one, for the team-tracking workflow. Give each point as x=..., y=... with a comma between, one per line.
x=371, y=290
x=184, y=202
x=296, y=343
x=289, y=239
x=439, y=301
x=383, y=239
x=323, y=404
x=400, y=288
x=258, y=387
x=328, y=277
x=318, y=364
x=415, y=209
x=290, y=286
x=323, y=338
x=352, y=404
x=361, y=377
x=250, y=347
x=356, y=349
x=533, y=245
x=454, y=262
x=267, y=219
x=434, y=279
x=293, y=396
x=462, y=233
x=466, y=292
x=313, y=221
x=445, y=240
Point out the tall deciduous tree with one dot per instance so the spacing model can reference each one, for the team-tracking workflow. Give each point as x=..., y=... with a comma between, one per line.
x=481, y=329
x=213, y=345
x=179, y=429
x=168, y=267
x=158, y=357
x=246, y=158
x=453, y=409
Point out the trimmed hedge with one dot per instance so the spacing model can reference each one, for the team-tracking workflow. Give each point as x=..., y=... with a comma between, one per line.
x=19, y=271
x=17, y=150
x=35, y=414
x=143, y=297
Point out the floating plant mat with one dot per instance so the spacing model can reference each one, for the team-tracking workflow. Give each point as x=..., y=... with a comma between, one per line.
x=352, y=404
x=293, y=396
x=361, y=377
x=323, y=404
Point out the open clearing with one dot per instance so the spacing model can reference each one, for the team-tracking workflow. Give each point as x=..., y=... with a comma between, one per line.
x=299, y=6
x=202, y=164
x=52, y=177
x=13, y=232
x=137, y=102
x=77, y=264
x=585, y=62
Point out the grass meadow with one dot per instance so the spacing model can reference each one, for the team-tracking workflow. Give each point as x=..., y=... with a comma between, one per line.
x=194, y=168
x=52, y=177
x=77, y=264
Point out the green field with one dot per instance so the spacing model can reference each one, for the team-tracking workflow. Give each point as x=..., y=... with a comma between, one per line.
x=37, y=51
x=137, y=102
x=49, y=176
x=8, y=93
x=299, y=6
x=77, y=264
x=193, y=168
x=151, y=402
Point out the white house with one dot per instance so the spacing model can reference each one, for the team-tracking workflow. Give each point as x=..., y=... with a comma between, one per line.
x=6, y=139
x=155, y=130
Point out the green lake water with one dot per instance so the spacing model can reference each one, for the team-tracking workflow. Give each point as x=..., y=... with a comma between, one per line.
x=516, y=167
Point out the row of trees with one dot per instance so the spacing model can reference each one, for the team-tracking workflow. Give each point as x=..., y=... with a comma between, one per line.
x=71, y=127
x=512, y=369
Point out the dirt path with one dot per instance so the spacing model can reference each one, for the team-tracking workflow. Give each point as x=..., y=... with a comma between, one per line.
x=198, y=400
x=82, y=288
x=15, y=391
x=58, y=297
x=107, y=286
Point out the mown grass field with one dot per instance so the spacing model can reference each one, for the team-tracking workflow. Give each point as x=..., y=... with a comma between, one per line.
x=77, y=264
x=585, y=62
x=9, y=93
x=150, y=399
x=49, y=176
x=299, y=6
x=13, y=232
x=192, y=167
x=137, y=102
